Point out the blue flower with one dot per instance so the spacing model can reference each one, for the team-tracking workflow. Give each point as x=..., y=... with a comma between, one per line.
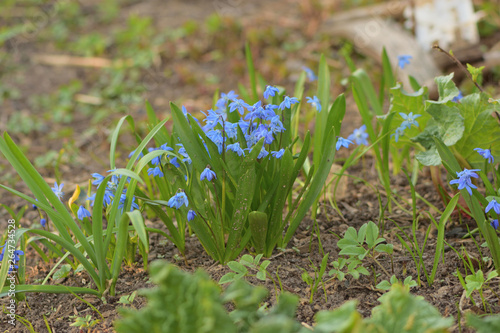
x=288, y=102
x=310, y=74
x=404, y=60
x=83, y=213
x=276, y=126
x=156, y=172
x=270, y=91
x=123, y=197
x=238, y=104
x=494, y=223
x=341, y=142
x=13, y=261
x=178, y=200
x=43, y=222
x=141, y=154
x=217, y=138
x=236, y=148
x=486, y=153
x=231, y=130
x=409, y=119
x=493, y=204
x=58, y=190
x=399, y=132
x=457, y=98
x=279, y=153
x=464, y=180
x=208, y=174
x=263, y=153
x=184, y=112
x=190, y=215
x=174, y=162
x=314, y=102
x=359, y=135
x=98, y=179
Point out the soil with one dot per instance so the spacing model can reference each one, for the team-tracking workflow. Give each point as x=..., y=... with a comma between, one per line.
x=288, y=21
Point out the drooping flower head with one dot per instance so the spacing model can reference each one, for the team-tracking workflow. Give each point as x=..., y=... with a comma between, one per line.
x=207, y=174
x=178, y=200
x=486, y=153
x=493, y=204
x=83, y=213
x=190, y=215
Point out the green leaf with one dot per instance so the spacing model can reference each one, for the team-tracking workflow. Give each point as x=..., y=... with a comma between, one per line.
x=343, y=319
x=475, y=281
x=243, y=198
x=386, y=248
x=384, y=285
x=226, y=278
x=261, y=275
x=23, y=288
x=448, y=120
x=353, y=251
x=237, y=267
x=485, y=324
x=475, y=71
x=400, y=311
x=446, y=88
x=429, y=157
x=62, y=272
x=481, y=129
x=371, y=234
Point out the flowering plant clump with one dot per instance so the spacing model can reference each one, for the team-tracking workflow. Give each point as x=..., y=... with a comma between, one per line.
x=485, y=209
x=218, y=172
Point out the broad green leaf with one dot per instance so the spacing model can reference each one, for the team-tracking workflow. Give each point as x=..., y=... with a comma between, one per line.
x=481, y=129
x=448, y=120
x=446, y=88
x=429, y=157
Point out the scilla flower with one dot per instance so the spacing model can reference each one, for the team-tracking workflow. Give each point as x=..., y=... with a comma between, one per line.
x=341, y=142
x=208, y=174
x=83, y=213
x=191, y=214
x=178, y=200
x=464, y=180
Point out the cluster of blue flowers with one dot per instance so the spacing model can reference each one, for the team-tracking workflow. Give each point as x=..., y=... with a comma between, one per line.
x=15, y=260
x=257, y=121
x=109, y=194
x=464, y=181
